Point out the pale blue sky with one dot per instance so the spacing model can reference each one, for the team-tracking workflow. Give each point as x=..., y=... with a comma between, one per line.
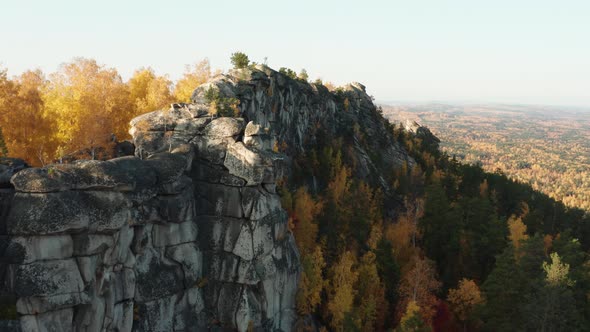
x=414, y=50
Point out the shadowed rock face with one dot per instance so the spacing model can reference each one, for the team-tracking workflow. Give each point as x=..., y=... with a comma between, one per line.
x=8, y=251
x=188, y=234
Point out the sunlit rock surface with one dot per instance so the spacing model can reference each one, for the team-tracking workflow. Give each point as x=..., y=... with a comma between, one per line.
x=187, y=235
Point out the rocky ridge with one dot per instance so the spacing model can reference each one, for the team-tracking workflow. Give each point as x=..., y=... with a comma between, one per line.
x=188, y=234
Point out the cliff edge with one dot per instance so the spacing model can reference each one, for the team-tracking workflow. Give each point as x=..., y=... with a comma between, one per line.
x=188, y=234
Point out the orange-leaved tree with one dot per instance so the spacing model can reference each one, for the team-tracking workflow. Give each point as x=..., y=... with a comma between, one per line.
x=464, y=300
x=420, y=285
x=90, y=104
x=28, y=134
x=341, y=293
x=311, y=282
x=305, y=211
x=194, y=76
x=148, y=91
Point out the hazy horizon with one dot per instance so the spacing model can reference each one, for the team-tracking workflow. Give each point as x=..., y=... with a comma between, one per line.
x=530, y=52
x=486, y=103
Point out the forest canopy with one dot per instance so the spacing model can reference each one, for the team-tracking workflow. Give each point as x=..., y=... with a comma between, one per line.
x=84, y=105
x=467, y=250
x=449, y=247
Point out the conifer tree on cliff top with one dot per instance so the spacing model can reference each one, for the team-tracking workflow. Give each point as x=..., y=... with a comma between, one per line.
x=239, y=60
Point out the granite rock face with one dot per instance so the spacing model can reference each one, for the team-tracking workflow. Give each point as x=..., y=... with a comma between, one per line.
x=188, y=234
x=423, y=133
x=9, y=167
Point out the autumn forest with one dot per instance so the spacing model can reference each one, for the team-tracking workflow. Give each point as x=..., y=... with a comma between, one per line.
x=453, y=247
x=544, y=146
x=47, y=117
x=469, y=250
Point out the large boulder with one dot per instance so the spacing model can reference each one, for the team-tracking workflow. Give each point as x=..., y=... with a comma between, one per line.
x=68, y=212
x=47, y=278
x=8, y=168
x=48, y=285
x=24, y=250
x=224, y=127
x=254, y=166
x=121, y=174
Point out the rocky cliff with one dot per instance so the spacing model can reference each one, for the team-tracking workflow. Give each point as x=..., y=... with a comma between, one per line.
x=188, y=234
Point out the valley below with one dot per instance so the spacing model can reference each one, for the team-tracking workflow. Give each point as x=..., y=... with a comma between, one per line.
x=546, y=147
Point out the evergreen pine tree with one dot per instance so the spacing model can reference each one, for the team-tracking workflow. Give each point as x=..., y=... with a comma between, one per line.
x=440, y=229
x=552, y=306
x=503, y=291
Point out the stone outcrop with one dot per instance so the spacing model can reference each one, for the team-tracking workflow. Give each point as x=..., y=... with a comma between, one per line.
x=188, y=234
x=429, y=139
x=9, y=167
